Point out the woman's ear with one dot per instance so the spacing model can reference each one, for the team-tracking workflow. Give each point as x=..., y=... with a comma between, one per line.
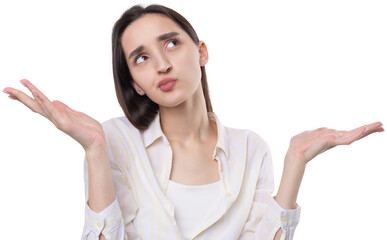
x=138, y=89
x=203, y=53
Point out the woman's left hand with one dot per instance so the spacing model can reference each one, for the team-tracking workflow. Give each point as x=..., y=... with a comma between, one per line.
x=307, y=145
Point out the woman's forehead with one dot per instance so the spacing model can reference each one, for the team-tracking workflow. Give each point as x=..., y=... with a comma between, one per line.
x=147, y=28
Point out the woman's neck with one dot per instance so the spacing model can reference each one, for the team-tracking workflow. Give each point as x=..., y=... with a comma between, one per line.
x=188, y=122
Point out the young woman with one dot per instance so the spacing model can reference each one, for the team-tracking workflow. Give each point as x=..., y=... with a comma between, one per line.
x=169, y=169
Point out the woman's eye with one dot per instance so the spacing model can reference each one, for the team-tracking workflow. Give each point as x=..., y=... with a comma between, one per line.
x=141, y=59
x=173, y=43
x=138, y=60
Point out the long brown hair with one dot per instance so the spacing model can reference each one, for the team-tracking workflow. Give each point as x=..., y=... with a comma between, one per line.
x=141, y=110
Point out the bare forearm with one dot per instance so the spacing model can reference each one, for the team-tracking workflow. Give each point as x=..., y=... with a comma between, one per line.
x=289, y=187
x=101, y=189
x=290, y=183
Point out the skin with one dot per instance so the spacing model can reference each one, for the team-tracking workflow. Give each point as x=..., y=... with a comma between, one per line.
x=183, y=113
x=183, y=117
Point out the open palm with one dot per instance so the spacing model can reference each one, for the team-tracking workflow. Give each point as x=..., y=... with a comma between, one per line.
x=307, y=145
x=84, y=129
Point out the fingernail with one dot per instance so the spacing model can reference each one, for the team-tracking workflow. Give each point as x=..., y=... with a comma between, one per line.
x=23, y=83
x=6, y=91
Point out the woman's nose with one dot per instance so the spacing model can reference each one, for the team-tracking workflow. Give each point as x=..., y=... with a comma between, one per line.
x=163, y=65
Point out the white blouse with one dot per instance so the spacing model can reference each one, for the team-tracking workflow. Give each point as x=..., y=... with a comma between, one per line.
x=192, y=203
x=141, y=163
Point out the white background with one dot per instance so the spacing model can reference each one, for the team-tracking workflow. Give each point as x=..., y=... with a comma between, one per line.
x=276, y=67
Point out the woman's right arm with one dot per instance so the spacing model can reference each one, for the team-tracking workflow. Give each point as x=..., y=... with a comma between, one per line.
x=89, y=133
x=103, y=214
x=100, y=183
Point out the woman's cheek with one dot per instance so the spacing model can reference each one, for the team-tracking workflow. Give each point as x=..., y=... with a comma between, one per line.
x=189, y=61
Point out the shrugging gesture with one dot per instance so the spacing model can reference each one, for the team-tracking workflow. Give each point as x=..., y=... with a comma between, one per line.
x=303, y=148
x=84, y=129
x=307, y=145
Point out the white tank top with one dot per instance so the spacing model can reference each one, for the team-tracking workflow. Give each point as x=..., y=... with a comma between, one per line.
x=192, y=203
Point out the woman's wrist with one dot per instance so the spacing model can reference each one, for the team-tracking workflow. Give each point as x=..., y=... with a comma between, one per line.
x=97, y=154
x=96, y=147
x=291, y=161
x=290, y=182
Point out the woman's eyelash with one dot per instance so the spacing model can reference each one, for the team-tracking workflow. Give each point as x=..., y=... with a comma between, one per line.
x=174, y=40
x=135, y=60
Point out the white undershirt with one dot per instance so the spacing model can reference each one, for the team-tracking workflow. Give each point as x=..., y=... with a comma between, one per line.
x=192, y=204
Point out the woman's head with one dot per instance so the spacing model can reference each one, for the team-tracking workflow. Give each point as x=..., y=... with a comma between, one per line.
x=150, y=44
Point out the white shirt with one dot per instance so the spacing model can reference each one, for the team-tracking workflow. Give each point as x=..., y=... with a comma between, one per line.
x=192, y=203
x=141, y=163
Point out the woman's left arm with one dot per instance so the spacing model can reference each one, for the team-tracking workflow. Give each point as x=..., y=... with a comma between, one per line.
x=303, y=148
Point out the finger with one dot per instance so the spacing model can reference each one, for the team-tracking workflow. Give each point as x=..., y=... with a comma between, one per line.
x=320, y=130
x=348, y=137
x=39, y=101
x=41, y=106
x=11, y=96
x=372, y=127
x=42, y=100
x=31, y=87
x=369, y=132
x=25, y=99
x=368, y=129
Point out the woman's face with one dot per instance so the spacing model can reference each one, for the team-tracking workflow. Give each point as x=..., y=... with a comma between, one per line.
x=167, y=52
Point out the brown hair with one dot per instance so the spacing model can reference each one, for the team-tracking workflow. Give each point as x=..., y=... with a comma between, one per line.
x=141, y=110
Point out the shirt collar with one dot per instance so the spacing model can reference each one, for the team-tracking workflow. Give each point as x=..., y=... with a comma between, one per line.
x=222, y=142
x=154, y=132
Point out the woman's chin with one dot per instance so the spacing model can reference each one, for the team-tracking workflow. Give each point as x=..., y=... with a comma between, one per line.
x=172, y=102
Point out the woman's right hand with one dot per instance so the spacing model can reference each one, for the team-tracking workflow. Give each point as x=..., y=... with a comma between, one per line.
x=84, y=129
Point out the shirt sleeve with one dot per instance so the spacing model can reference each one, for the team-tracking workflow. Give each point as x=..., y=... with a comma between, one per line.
x=266, y=216
x=115, y=222
x=108, y=222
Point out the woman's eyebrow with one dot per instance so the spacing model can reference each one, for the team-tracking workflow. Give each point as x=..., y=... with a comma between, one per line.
x=162, y=37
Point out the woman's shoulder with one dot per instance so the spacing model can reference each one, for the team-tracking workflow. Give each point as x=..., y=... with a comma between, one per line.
x=119, y=125
x=234, y=134
x=117, y=122
x=246, y=136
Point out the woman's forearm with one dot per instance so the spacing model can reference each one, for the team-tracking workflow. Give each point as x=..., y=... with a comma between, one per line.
x=290, y=183
x=303, y=148
x=101, y=189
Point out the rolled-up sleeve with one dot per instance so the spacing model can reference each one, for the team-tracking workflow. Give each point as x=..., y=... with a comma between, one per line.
x=108, y=222
x=278, y=217
x=115, y=222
